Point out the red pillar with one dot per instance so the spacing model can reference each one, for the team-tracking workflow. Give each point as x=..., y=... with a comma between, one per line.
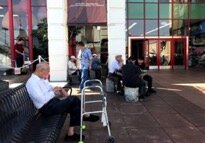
x=30, y=37
x=11, y=31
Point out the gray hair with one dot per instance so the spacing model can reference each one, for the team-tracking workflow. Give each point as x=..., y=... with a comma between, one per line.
x=42, y=66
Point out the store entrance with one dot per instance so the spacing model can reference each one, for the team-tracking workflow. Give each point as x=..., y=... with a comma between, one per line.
x=163, y=53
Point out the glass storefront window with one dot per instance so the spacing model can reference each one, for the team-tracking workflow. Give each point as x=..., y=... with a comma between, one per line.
x=165, y=27
x=4, y=34
x=151, y=28
x=179, y=52
x=197, y=11
x=135, y=0
x=165, y=50
x=153, y=44
x=135, y=27
x=167, y=1
x=151, y=11
x=38, y=2
x=197, y=1
x=3, y=2
x=20, y=19
x=180, y=11
x=4, y=26
x=39, y=27
x=180, y=1
x=179, y=27
x=38, y=14
x=135, y=10
x=151, y=1
x=165, y=11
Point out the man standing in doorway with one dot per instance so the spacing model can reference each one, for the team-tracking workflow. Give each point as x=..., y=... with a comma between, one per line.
x=86, y=62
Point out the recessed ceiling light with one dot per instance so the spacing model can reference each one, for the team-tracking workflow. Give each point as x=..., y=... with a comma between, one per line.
x=1, y=7
x=1, y=15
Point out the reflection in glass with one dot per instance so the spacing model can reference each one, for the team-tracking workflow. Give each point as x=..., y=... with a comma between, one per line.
x=151, y=27
x=135, y=10
x=180, y=27
x=180, y=11
x=165, y=11
x=151, y=11
x=197, y=11
x=151, y=0
x=3, y=2
x=165, y=55
x=39, y=13
x=4, y=35
x=153, y=52
x=39, y=27
x=164, y=1
x=38, y=2
x=165, y=27
x=135, y=27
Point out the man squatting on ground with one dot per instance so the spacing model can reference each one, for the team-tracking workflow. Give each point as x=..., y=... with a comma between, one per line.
x=47, y=100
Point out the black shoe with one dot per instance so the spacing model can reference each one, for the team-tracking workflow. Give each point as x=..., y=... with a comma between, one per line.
x=91, y=118
x=152, y=91
x=119, y=93
x=147, y=94
x=141, y=98
x=74, y=137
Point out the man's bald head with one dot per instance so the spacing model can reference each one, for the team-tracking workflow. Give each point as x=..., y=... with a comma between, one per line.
x=42, y=70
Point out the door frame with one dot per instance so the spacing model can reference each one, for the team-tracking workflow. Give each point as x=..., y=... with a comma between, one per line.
x=170, y=38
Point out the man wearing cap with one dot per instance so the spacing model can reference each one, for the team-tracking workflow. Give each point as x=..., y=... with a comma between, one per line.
x=72, y=68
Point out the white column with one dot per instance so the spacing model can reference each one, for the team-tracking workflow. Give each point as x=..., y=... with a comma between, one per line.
x=116, y=19
x=57, y=39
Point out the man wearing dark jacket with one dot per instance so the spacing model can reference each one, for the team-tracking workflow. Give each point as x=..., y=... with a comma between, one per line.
x=131, y=76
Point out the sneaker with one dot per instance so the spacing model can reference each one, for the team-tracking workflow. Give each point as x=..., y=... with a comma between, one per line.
x=74, y=137
x=91, y=118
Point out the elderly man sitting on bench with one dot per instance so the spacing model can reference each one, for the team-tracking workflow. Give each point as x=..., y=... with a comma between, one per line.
x=115, y=71
x=46, y=99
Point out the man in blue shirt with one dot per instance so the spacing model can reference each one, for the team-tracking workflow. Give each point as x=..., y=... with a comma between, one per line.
x=86, y=62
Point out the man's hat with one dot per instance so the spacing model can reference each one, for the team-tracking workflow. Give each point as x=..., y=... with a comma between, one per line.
x=73, y=57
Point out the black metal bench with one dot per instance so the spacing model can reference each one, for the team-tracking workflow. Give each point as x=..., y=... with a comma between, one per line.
x=3, y=85
x=20, y=121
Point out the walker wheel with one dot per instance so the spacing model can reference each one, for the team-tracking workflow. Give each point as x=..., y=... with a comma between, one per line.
x=111, y=139
x=83, y=127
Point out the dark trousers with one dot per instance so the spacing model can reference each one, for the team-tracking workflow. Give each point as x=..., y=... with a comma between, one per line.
x=117, y=79
x=19, y=61
x=71, y=105
x=98, y=73
x=148, y=78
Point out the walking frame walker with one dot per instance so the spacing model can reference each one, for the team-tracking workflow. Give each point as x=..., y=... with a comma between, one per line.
x=98, y=87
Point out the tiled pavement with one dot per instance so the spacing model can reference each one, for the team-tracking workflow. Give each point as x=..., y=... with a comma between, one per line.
x=176, y=114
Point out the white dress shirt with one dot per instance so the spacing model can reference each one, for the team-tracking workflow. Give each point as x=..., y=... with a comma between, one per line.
x=71, y=67
x=40, y=91
x=115, y=65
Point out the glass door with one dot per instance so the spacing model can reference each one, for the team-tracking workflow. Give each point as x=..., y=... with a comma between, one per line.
x=165, y=54
x=179, y=53
x=152, y=48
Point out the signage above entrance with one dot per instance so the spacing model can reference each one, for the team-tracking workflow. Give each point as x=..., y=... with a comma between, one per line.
x=81, y=12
